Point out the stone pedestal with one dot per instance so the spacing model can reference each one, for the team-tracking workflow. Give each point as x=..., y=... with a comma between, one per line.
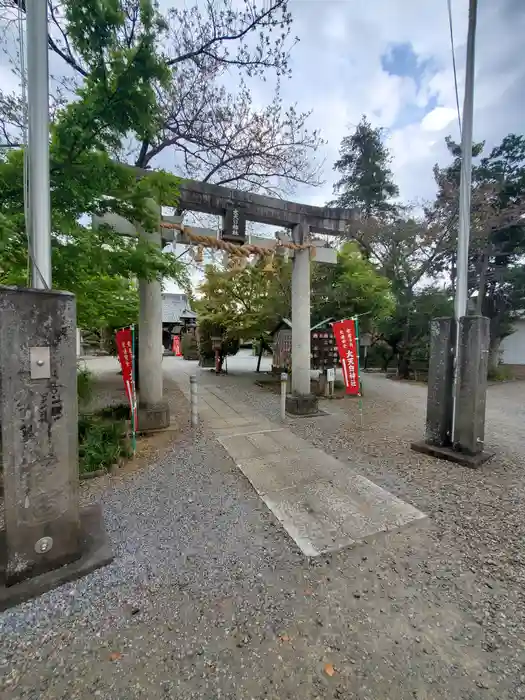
x=466, y=445
x=38, y=404
x=46, y=540
x=438, y=430
x=474, y=337
x=153, y=416
x=302, y=405
x=38, y=413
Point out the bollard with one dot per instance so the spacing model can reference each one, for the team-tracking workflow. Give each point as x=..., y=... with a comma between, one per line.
x=193, y=402
x=284, y=384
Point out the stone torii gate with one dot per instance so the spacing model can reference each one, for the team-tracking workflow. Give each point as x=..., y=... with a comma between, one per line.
x=236, y=207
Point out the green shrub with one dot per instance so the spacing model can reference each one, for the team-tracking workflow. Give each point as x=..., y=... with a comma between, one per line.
x=119, y=412
x=500, y=374
x=101, y=443
x=84, y=385
x=189, y=347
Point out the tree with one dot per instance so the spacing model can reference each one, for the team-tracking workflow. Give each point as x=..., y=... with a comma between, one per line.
x=366, y=183
x=215, y=136
x=352, y=287
x=117, y=98
x=406, y=332
x=245, y=303
x=497, y=233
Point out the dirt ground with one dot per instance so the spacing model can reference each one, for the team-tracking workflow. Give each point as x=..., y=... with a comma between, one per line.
x=208, y=597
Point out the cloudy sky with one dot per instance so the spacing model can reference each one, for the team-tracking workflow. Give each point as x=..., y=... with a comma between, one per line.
x=391, y=60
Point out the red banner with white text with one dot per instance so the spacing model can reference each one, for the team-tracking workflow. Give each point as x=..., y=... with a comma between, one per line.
x=124, y=340
x=176, y=346
x=345, y=333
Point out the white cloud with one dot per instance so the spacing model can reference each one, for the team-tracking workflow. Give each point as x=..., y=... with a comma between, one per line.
x=438, y=119
x=337, y=72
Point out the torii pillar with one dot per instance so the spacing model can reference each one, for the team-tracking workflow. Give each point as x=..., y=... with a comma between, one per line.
x=153, y=410
x=301, y=401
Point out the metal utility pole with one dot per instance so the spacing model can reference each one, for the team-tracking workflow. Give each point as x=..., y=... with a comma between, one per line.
x=38, y=143
x=466, y=170
x=460, y=303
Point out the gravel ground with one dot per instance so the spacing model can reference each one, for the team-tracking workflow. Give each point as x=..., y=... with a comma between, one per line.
x=208, y=597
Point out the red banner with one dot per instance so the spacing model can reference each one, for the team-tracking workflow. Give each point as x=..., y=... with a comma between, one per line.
x=176, y=346
x=124, y=340
x=346, y=340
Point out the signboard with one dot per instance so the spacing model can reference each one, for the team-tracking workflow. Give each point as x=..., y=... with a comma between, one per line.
x=346, y=340
x=176, y=346
x=324, y=352
x=124, y=340
x=234, y=225
x=330, y=374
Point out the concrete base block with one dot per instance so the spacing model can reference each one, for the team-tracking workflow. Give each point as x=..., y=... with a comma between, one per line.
x=95, y=552
x=153, y=417
x=450, y=455
x=302, y=405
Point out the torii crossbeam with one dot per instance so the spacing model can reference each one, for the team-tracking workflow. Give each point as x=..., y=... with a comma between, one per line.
x=236, y=208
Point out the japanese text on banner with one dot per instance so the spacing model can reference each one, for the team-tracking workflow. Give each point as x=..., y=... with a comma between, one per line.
x=346, y=340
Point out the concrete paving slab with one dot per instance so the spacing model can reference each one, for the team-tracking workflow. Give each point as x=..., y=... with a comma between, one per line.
x=313, y=532
x=239, y=447
x=290, y=442
x=322, y=503
x=231, y=430
x=362, y=513
x=264, y=444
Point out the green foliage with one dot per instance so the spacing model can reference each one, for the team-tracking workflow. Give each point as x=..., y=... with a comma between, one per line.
x=407, y=330
x=208, y=330
x=189, y=347
x=121, y=75
x=366, y=182
x=84, y=385
x=352, y=287
x=497, y=231
x=244, y=303
x=102, y=443
x=500, y=373
x=117, y=100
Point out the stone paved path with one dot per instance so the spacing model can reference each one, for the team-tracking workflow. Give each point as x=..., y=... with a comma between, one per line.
x=322, y=503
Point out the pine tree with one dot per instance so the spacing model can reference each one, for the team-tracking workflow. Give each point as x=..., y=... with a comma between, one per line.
x=367, y=182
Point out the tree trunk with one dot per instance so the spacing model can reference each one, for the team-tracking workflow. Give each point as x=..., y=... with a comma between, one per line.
x=482, y=284
x=385, y=361
x=403, y=367
x=494, y=353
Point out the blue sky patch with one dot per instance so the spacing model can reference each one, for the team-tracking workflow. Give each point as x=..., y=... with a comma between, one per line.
x=401, y=60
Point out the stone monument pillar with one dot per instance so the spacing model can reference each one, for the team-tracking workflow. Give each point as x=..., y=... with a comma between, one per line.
x=47, y=539
x=301, y=401
x=153, y=411
x=462, y=404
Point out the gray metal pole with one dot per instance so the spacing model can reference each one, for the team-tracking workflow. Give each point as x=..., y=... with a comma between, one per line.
x=460, y=303
x=194, y=406
x=466, y=170
x=38, y=120
x=284, y=387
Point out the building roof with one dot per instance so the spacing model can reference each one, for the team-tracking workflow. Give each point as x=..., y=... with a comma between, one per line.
x=176, y=308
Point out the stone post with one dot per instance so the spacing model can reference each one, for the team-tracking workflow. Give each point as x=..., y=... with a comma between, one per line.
x=466, y=445
x=301, y=401
x=440, y=382
x=474, y=337
x=153, y=411
x=38, y=412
